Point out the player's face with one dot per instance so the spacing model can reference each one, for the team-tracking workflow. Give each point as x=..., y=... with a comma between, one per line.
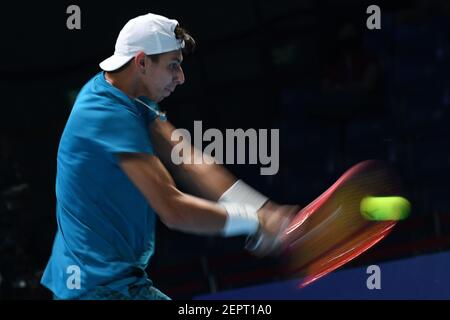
x=162, y=77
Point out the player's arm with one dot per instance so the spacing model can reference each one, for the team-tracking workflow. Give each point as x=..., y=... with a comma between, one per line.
x=181, y=211
x=194, y=177
x=212, y=181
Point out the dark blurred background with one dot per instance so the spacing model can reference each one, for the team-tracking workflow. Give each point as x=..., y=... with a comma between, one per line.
x=338, y=92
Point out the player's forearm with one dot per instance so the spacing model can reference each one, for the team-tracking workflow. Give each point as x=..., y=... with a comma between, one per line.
x=181, y=211
x=209, y=181
x=194, y=215
x=196, y=178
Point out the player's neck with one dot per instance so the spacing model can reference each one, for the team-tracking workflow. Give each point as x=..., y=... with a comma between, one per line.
x=123, y=82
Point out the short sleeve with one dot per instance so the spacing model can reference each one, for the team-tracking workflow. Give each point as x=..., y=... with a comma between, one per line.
x=120, y=129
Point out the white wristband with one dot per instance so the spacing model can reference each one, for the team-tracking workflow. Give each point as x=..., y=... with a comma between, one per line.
x=242, y=219
x=240, y=192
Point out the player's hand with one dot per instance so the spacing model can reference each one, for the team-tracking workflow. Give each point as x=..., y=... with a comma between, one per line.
x=274, y=219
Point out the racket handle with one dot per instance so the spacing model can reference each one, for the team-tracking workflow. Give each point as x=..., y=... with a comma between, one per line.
x=253, y=242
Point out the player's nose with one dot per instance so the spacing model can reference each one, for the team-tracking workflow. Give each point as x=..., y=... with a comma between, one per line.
x=179, y=77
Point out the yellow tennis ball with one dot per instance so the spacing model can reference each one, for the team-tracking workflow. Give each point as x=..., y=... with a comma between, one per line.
x=385, y=208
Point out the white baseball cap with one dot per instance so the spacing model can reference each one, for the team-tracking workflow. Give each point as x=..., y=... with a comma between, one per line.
x=150, y=33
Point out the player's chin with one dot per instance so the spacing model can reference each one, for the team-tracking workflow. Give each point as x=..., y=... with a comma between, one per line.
x=162, y=97
x=164, y=94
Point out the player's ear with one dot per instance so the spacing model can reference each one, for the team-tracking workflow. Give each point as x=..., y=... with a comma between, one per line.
x=140, y=61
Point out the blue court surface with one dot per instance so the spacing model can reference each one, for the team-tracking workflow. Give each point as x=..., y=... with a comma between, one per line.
x=421, y=277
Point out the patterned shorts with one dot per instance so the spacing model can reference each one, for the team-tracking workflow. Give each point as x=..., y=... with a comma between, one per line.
x=137, y=292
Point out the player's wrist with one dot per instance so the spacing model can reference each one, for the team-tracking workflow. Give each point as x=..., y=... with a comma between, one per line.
x=242, y=219
x=240, y=192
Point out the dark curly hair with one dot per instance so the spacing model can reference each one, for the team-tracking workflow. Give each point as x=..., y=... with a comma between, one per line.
x=189, y=42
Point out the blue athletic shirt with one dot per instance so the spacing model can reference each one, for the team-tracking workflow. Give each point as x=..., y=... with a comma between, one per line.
x=106, y=228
